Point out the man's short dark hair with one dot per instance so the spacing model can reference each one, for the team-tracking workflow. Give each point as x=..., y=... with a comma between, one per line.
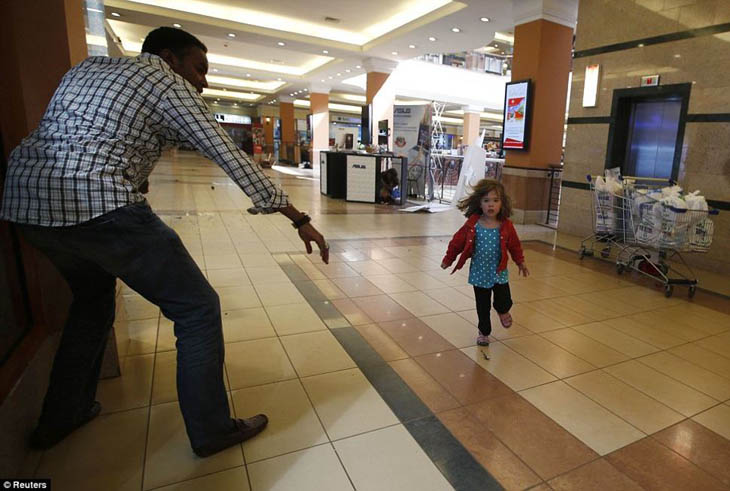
x=176, y=40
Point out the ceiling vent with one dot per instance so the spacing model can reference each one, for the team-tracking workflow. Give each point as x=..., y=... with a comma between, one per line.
x=331, y=19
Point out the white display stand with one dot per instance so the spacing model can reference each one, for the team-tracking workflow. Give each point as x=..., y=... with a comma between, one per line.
x=361, y=178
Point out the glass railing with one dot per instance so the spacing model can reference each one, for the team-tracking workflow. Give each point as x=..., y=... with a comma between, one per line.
x=472, y=60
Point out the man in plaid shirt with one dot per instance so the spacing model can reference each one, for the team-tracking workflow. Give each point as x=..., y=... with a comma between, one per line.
x=74, y=186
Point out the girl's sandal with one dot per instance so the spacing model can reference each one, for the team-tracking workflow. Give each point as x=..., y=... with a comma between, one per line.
x=506, y=320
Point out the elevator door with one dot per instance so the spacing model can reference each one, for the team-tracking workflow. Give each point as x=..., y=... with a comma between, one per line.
x=652, y=138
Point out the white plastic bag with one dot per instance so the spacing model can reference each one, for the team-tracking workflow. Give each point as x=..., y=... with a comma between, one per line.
x=695, y=201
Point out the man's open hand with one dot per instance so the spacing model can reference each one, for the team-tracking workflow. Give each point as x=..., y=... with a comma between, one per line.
x=308, y=234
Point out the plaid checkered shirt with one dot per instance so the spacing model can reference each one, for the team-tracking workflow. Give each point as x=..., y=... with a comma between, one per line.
x=101, y=136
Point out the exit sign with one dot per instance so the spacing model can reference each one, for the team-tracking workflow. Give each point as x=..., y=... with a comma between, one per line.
x=650, y=81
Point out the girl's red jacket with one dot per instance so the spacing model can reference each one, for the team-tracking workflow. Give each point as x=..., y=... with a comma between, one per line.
x=463, y=242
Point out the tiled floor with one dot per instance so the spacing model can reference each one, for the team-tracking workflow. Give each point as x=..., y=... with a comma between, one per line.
x=368, y=369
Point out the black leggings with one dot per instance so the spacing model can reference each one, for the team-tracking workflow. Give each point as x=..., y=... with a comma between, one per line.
x=502, y=304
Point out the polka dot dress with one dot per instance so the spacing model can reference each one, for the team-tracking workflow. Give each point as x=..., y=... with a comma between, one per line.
x=485, y=259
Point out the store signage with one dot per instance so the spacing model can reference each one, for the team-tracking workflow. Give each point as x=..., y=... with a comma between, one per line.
x=233, y=118
x=516, y=123
x=650, y=81
x=590, y=86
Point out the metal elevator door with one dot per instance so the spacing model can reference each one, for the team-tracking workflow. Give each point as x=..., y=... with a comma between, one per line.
x=652, y=138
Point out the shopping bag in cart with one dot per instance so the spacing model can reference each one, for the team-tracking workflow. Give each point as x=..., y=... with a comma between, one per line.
x=700, y=237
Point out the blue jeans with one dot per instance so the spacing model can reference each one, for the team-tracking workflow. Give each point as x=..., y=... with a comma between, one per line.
x=133, y=244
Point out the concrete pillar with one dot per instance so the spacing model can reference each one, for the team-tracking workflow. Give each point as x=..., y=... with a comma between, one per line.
x=472, y=116
x=319, y=106
x=380, y=95
x=542, y=53
x=286, y=115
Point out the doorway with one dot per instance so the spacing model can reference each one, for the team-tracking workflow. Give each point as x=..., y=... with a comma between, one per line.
x=647, y=130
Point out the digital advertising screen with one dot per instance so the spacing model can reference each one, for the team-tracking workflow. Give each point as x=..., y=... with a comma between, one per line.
x=516, y=125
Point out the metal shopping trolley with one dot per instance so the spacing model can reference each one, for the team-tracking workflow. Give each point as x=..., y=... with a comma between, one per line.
x=656, y=233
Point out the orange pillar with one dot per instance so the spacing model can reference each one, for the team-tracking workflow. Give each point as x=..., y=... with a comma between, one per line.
x=268, y=122
x=472, y=117
x=542, y=53
x=286, y=115
x=378, y=71
x=375, y=80
x=319, y=105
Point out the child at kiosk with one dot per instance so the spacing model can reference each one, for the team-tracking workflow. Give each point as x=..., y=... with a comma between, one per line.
x=486, y=237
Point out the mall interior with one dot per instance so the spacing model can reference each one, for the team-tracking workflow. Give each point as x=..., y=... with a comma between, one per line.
x=616, y=371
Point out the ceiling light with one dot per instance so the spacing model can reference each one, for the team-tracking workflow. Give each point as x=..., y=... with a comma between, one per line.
x=231, y=35
x=348, y=70
x=641, y=45
x=279, y=79
x=248, y=74
x=484, y=19
x=412, y=46
x=455, y=29
x=322, y=80
x=330, y=77
x=432, y=38
x=358, y=66
x=325, y=51
x=177, y=25
x=496, y=45
x=339, y=74
x=677, y=56
x=215, y=69
x=116, y=14
x=306, y=90
x=394, y=53
x=281, y=43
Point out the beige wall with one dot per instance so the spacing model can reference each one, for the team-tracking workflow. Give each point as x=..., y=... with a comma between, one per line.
x=703, y=61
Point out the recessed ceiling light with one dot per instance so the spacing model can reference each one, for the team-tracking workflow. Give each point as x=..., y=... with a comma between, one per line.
x=231, y=35
x=455, y=29
x=325, y=51
x=432, y=38
x=358, y=66
x=348, y=70
x=339, y=74
x=248, y=74
x=412, y=46
x=281, y=43
x=496, y=45
x=116, y=14
x=215, y=69
x=306, y=90
x=394, y=53
x=484, y=19
x=641, y=45
x=279, y=79
x=177, y=25
x=677, y=56
x=330, y=77
x=322, y=80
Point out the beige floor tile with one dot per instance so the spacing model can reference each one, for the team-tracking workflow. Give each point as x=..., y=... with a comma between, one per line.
x=347, y=404
x=584, y=347
x=338, y=270
x=704, y=358
x=400, y=462
x=314, y=353
x=293, y=424
x=230, y=480
x=690, y=374
x=246, y=324
x=634, y=406
x=135, y=307
x=666, y=390
x=613, y=338
x=453, y=328
x=470, y=315
x=717, y=419
x=467, y=290
x=222, y=261
x=562, y=314
x=547, y=355
x=279, y=294
x=701, y=318
x=591, y=423
x=221, y=278
x=651, y=335
x=421, y=280
x=238, y=297
x=266, y=274
x=397, y=265
x=533, y=320
x=313, y=469
x=329, y=289
x=603, y=299
x=659, y=320
x=589, y=309
x=257, y=362
x=357, y=287
x=258, y=260
x=390, y=283
x=451, y=298
x=719, y=344
x=99, y=456
x=132, y=389
x=458, y=279
x=369, y=268
x=169, y=458
x=418, y=303
x=136, y=337
x=166, y=335
x=164, y=388
x=508, y=366
x=294, y=318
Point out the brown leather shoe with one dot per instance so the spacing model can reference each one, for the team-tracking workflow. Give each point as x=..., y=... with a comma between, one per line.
x=44, y=438
x=244, y=429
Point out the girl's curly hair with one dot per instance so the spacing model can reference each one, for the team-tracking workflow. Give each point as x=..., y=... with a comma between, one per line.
x=473, y=203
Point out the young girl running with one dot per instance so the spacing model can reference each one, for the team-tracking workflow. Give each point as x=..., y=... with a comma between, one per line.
x=486, y=237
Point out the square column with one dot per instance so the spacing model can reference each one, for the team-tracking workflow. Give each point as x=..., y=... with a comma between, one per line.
x=319, y=104
x=288, y=140
x=472, y=117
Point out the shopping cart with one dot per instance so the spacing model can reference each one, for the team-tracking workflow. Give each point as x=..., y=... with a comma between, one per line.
x=610, y=212
x=656, y=233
